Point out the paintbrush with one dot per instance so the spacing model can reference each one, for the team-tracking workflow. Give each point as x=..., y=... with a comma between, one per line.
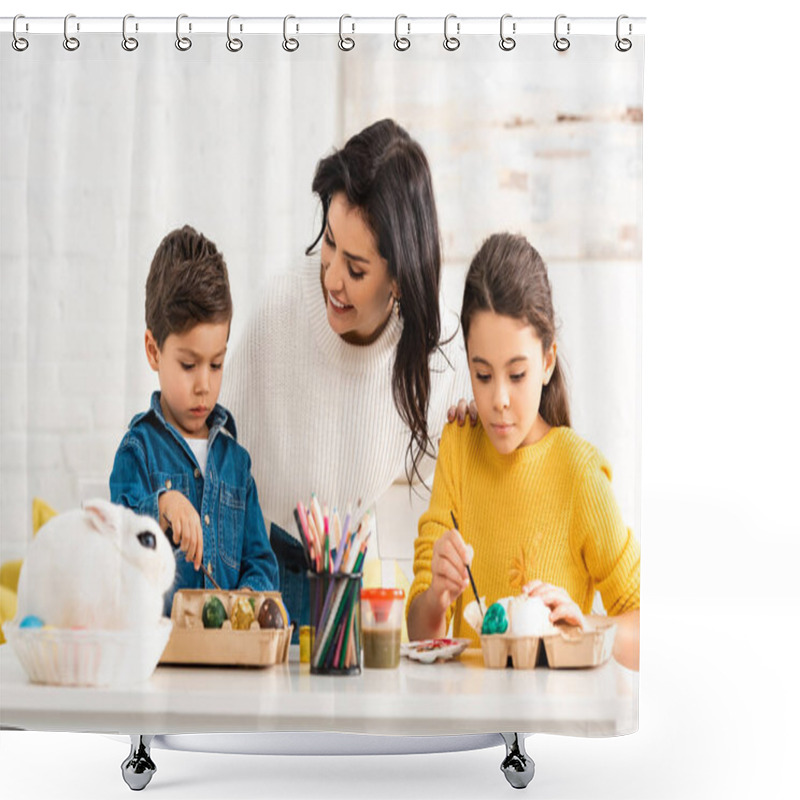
x=168, y=531
x=469, y=571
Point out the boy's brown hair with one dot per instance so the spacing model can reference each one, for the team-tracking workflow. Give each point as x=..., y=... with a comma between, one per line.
x=187, y=285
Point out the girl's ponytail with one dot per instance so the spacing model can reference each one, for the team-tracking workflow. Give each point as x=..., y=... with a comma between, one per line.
x=554, y=405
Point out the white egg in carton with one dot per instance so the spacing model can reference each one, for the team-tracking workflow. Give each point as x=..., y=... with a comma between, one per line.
x=532, y=640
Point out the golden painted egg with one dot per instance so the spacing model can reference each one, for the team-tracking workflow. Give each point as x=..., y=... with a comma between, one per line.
x=242, y=614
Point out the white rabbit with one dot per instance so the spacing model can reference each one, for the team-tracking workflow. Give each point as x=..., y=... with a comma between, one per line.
x=102, y=566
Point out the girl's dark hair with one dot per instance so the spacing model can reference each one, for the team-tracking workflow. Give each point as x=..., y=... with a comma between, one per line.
x=383, y=172
x=507, y=276
x=187, y=284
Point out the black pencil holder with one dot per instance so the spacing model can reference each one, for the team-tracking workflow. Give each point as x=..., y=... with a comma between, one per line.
x=335, y=601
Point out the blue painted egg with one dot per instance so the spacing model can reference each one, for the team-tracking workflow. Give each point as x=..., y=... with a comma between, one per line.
x=31, y=621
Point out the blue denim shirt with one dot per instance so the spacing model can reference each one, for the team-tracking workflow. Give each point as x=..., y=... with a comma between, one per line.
x=154, y=458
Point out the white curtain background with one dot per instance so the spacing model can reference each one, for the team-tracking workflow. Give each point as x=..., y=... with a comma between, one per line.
x=104, y=151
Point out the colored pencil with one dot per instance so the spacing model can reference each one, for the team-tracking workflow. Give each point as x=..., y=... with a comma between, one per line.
x=305, y=522
x=302, y=538
x=316, y=512
x=337, y=529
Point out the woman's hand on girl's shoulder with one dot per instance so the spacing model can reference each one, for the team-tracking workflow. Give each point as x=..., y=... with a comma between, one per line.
x=458, y=413
x=562, y=607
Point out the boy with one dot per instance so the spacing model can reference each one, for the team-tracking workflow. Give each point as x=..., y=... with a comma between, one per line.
x=180, y=462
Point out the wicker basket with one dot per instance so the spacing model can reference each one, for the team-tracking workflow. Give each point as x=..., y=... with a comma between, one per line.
x=78, y=657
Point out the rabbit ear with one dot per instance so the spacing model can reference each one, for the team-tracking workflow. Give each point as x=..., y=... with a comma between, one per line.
x=103, y=515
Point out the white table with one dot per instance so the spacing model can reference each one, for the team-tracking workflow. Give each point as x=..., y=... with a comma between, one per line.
x=451, y=706
x=443, y=699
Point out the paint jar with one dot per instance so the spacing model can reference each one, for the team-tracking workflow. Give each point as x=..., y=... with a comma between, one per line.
x=335, y=623
x=305, y=644
x=381, y=623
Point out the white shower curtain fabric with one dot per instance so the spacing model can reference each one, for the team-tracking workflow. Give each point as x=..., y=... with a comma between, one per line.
x=105, y=151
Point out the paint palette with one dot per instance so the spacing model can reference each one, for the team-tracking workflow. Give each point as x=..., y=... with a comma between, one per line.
x=428, y=651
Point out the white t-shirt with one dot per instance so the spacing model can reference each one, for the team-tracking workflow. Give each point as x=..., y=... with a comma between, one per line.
x=200, y=449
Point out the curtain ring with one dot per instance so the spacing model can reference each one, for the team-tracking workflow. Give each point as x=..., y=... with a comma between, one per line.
x=18, y=42
x=129, y=43
x=234, y=45
x=70, y=42
x=345, y=42
x=451, y=42
x=401, y=42
x=183, y=43
x=289, y=44
x=561, y=43
x=507, y=42
x=623, y=45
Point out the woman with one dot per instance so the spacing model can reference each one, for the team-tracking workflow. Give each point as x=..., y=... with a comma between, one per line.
x=344, y=374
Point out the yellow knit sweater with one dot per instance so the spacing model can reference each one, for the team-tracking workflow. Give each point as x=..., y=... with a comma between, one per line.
x=545, y=511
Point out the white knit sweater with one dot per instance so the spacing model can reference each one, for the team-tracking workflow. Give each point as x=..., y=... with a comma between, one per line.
x=316, y=413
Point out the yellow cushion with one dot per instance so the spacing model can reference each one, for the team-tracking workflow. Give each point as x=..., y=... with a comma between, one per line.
x=8, y=608
x=42, y=512
x=9, y=575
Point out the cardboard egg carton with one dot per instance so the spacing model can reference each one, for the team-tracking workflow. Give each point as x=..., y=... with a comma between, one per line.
x=570, y=648
x=191, y=643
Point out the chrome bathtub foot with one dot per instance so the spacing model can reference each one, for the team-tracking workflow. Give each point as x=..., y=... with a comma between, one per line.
x=517, y=766
x=138, y=768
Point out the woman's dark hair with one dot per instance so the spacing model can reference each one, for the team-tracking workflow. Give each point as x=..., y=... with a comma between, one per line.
x=507, y=276
x=383, y=172
x=187, y=284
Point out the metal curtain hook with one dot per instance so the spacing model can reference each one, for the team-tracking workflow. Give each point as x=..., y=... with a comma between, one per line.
x=233, y=44
x=129, y=43
x=401, y=42
x=561, y=43
x=345, y=42
x=182, y=42
x=18, y=42
x=623, y=45
x=451, y=42
x=507, y=42
x=289, y=44
x=70, y=42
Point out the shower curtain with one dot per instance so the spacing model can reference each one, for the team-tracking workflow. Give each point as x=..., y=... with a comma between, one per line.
x=105, y=149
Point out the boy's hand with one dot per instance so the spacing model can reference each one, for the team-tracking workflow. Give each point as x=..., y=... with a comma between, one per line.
x=180, y=515
x=562, y=607
x=449, y=575
x=459, y=412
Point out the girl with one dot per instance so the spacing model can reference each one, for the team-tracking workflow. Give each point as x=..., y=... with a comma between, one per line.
x=532, y=499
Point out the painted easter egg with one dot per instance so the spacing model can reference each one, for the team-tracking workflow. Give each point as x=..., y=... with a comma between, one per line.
x=31, y=621
x=270, y=614
x=496, y=620
x=242, y=614
x=213, y=613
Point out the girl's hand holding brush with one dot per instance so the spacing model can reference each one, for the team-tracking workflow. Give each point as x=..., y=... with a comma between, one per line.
x=428, y=611
x=451, y=556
